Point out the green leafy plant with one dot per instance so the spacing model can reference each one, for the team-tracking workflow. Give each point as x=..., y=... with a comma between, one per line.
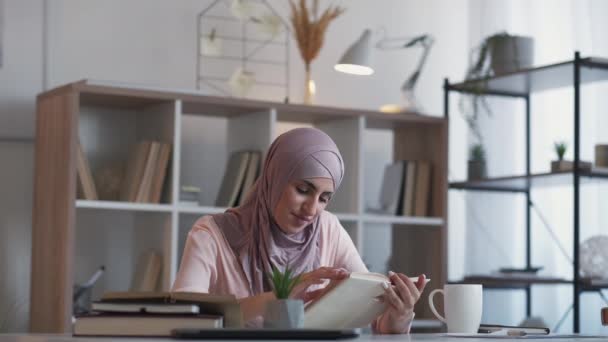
x=283, y=282
x=477, y=153
x=475, y=101
x=560, y=149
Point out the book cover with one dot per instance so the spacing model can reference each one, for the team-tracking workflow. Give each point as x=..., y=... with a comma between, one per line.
x=160, y=173
x=144, y=190
x=409, y=186
x=86, y=185
x=251, y=174
x=135, y=170
x=141, y=324
x=225, y=305
x=145, y=308
x=391, y=191
x=349, y=303
x=233, y=179
x=423, y=188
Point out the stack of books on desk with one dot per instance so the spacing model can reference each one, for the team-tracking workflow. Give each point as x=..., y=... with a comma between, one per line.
x=156, y=314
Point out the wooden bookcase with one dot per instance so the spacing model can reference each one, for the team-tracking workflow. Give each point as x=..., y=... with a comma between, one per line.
x=71, y=237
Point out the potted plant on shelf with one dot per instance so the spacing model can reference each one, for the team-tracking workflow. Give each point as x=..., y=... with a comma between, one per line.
x=561, y=165
x=283, y=312
x=497, y=54
x=477, y=163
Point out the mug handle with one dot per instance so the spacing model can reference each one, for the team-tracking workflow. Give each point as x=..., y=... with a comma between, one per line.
x=441, y=318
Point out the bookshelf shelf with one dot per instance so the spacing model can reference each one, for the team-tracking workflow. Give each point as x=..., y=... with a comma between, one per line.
x=115, y=205
x=498, y=282
x=203, y=131
x=186, y=209
x=523, y=82
x=523, y=183
x=521, y=85
x=404, y=220
x=505, y=282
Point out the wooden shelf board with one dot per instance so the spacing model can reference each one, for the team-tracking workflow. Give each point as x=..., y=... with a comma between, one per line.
x=124, y=95
x=406, y=220
x=129, y=206
x=202, y=210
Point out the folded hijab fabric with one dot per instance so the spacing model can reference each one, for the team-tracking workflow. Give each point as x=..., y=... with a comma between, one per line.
x=250, y=229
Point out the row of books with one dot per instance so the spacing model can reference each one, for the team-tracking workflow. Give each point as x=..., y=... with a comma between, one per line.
x=156, y=314
x=242, y=169
x=406, y=188
x=146, y=172
x=143, y=180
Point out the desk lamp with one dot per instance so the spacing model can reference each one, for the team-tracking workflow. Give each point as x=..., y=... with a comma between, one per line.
x=357, y=61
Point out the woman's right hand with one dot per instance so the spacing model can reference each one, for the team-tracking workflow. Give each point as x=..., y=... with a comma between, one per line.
x=316, y=277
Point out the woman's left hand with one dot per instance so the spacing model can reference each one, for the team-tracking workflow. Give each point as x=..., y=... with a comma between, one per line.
x=400, y=299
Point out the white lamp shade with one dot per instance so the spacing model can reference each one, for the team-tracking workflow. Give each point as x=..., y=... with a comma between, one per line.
x=357, y=60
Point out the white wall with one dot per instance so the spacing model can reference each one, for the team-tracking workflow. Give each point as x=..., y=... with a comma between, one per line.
x=20, y=81
x=154, y=42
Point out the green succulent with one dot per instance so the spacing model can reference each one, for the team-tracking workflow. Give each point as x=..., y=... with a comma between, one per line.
x=477, y=153
x=283, y=282
x=560, y=149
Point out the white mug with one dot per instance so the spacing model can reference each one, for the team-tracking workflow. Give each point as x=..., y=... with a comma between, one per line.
x=463, y=306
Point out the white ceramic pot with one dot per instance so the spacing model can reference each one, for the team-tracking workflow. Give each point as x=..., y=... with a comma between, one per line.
x=284, y=314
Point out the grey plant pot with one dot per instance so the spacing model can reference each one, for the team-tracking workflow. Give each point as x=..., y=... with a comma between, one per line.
x=510, y=53
x=284, y=314
x=477, y=170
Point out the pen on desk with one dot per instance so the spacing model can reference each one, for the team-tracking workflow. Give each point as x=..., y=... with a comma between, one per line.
x=82, y=288
x=94, y=277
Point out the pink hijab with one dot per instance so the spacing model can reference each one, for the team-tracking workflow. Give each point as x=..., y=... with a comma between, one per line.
x=250, y=229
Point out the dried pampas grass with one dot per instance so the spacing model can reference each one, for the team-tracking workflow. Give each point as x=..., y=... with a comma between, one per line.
x=309, y=28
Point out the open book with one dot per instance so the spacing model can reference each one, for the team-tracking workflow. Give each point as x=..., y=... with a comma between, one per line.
x=226, y=306
x=349, y=303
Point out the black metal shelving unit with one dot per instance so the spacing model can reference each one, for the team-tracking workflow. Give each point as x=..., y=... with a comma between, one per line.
x=521, y=85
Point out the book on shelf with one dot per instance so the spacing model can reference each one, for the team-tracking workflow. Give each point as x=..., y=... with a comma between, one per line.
x=423, y=188
x=251, y=175
x=134, y=171
x=146, y=172
x=226, y=306
x=147, y=272
x=103, y=324
x=348, y=303
x=232, y=182
x=406, y=188
x=409, y=184
x=85, y=185
x=390, y=193
x=160, y=173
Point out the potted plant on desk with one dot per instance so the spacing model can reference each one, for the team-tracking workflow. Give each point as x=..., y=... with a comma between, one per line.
x=284, y=313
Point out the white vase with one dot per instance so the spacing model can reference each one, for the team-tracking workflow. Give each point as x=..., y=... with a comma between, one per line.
x=284, y=314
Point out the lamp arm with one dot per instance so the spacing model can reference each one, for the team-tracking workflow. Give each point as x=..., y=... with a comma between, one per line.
x=410, y=83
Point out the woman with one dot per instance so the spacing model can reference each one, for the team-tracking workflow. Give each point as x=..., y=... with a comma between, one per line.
x=283, y=222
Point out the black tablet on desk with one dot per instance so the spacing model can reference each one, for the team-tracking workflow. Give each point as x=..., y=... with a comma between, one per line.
x=264, y=334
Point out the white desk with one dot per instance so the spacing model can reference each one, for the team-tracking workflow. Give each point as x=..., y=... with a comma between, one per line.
x=402, y=338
